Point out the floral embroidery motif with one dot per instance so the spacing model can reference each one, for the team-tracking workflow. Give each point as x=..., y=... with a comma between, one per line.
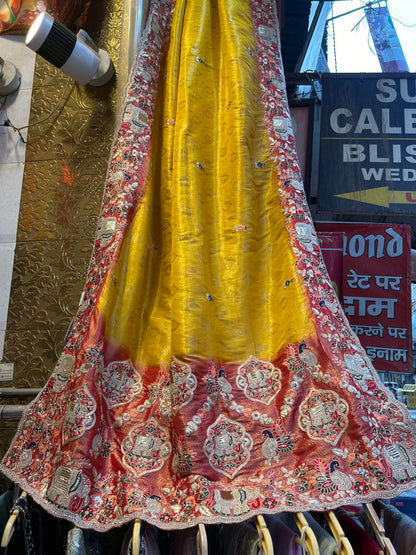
x=69, y=488
x=79, y=415
x=146, y=448
x=331, y=479
x=276, y=442
x=119, y=383
x=217, y=382
x=227, y=446
x=259, y=380
x=323, y=415
x=182, y=459
x=300, y=357
x=182, y=384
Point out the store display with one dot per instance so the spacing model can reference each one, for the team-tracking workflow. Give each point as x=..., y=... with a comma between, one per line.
x=210, y=374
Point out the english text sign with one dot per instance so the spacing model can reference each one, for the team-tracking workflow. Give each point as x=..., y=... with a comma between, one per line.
x=368, y=143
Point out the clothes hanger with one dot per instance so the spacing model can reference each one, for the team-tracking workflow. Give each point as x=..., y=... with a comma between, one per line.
x=10, y=524
x=344, y=545
x=202, y=540
x=307, y=537
x=135, y=549
x=379, y=529
x=264, y=534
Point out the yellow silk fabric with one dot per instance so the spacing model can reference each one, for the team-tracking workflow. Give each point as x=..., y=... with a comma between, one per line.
x=204, y=262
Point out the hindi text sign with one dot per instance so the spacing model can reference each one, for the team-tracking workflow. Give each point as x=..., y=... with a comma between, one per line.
x=376, y=290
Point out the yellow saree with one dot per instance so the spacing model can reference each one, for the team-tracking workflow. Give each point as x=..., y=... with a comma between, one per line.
x=210, y=374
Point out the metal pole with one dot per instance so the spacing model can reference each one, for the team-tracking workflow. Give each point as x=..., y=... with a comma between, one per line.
x=8, y=392
x=309, y=36
x=11, y=412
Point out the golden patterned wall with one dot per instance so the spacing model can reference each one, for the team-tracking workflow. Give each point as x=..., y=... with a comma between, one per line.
x=66, y=163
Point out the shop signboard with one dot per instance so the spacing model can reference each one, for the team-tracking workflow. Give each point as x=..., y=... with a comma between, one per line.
x=332, y=246
x=376, y=290
x=367, y=160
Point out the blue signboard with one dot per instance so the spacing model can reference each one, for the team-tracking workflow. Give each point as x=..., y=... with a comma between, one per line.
x=367, y=157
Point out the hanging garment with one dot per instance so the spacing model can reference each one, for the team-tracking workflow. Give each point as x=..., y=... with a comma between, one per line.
x=361, y=542
x=326, y=542
x=6, y=505
x=241, y=539
x=401, y=529
x=75, y=542
x=283, y=537
x=149, y=544
x=22, y=539
x=210, y=374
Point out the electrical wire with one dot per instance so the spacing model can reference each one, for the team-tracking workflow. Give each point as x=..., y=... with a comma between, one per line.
x=400, y=21
x=333, y=38
x=8, y=122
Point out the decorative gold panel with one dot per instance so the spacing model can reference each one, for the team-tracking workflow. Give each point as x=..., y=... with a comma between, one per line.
x=34, y=353
x=66, y=164
x=47, y=282
x=79, y=128
x=67, y=207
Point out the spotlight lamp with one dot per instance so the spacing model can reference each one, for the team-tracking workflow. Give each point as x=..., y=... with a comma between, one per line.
x=75, y=55
x=9, y=78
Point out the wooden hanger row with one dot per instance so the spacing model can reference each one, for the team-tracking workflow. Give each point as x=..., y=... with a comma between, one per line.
x=307, y=537
x=11, y=523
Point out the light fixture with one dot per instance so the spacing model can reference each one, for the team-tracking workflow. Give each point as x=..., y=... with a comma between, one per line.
x=75, y=55
x=9, y=78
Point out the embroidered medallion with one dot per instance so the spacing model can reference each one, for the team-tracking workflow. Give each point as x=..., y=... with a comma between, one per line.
x=323, y=415
x=259, y=380
x=146, y=448
x=227, y=446
x=182, y=384
x=119, y=383
x=79, y=415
